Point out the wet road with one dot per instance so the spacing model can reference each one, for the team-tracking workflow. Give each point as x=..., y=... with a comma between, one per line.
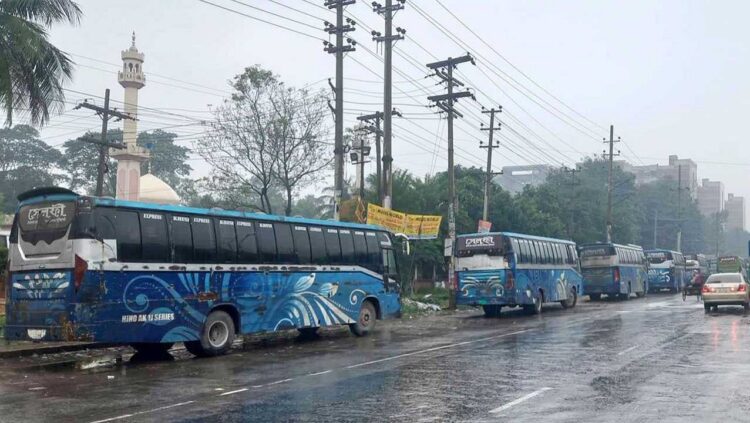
x=627, y=361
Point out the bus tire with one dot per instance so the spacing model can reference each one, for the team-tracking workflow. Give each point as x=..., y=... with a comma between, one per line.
x=366, y=320
x=216, y=337
x=151, y=348
x=491, y=310
x=595, y=297
x=571, y=301
x=535, y=308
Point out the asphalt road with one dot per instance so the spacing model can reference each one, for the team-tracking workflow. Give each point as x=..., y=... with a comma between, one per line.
x=641, y=360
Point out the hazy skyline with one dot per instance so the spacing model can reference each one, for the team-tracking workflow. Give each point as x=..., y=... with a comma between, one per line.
x=671, y=76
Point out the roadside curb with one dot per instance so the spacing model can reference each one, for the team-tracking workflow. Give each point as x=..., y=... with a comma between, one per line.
x=52, y=349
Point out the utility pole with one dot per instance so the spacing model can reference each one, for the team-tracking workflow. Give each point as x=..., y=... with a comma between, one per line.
x=656, y=223
x=106, y=114
x=360, y=151
x=444, y=70
x=679, y=208
x=339, y=49
x=388, y=40
x=612, y=142
x=375, y=129
x=573, y=183
x=491, y=145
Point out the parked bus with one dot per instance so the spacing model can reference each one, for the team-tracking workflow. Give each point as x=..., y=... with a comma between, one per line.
x=504, y=269
x=666, y=270
x=732, y=264
x=96, y=269
x=613, y=270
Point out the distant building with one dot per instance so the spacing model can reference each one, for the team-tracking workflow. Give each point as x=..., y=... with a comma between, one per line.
x=710, y=197
x=515, y=178
x=684, y=169
x=735, y=207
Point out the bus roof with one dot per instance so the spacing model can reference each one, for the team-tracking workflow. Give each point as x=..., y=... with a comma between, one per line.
x=55, y=193
x=611, y=244
x=516, y=235
x=661, y=250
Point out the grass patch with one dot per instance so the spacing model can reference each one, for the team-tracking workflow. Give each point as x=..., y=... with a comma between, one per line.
x=437, y=296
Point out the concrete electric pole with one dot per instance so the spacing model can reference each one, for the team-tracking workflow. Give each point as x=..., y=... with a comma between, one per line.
x=491, y=145
x=338, y=49
x=611, y=142
x=374, y=128
x=106, y=114
x=444, y=70
x=388, y=40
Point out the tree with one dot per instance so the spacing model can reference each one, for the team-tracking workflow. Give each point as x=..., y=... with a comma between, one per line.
x=168, y=161
x=81, y=162
x=26, y=162
x=32, y=70
x=265, y=135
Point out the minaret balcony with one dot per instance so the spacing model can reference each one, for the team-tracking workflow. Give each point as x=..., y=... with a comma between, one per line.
x=137, y=78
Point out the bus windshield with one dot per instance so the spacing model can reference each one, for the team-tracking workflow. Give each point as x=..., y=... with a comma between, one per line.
x=597, y=251
x=658, y=257
x=42, y=227
x=491, y=245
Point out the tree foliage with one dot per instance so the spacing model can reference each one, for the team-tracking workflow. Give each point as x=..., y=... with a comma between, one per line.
x=32, y=70
x=26, y=162
x=267, y=135
x=168, y=161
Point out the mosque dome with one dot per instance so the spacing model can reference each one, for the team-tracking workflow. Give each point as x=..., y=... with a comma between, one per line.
x=154, y=190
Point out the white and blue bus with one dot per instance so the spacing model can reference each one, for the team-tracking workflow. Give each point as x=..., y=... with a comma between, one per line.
x=613, y=270
x=666, y=270
x=504, y=269
x=96, y=269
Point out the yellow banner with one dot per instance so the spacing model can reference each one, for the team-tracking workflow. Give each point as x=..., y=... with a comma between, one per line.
x=422, y=226
x=414, y=226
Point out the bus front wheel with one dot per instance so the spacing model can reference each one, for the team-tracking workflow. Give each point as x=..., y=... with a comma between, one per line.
x=216, y=337
x=366, y=320
x=572, y=299
x=535, y=308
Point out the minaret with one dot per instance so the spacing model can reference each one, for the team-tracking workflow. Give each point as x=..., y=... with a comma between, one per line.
x=129, y=159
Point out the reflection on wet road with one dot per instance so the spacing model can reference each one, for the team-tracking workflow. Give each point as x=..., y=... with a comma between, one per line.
x=635, y=360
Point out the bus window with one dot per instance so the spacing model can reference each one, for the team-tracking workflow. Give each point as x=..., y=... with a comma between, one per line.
x=182, y=239
x=360, y=248
x=301, y=244
x=573, y=255
x=389, y=262
x=373, y=252
x=227, y=241
x=128, y=236
x=535, y=254
x=266, y=242
x=105, y=223
x=516, y=248
x=154, y=238
x=347, y=246
x=284, y=243
x=318, y=246
x=548, y=258
x=247, y=245
x=204, y=241
x=333, y=247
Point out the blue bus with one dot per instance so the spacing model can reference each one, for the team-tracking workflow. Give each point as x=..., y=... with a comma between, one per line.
x=98, y=269
x=613, y=270
x=505, y=269
x=666, y=270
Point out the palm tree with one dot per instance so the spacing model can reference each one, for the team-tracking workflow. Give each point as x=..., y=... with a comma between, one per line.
x=32, y=70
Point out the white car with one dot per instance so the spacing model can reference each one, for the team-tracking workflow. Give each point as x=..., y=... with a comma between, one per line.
x=726, y=289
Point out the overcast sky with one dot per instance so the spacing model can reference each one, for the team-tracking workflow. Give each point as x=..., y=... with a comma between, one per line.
x=672, y=76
